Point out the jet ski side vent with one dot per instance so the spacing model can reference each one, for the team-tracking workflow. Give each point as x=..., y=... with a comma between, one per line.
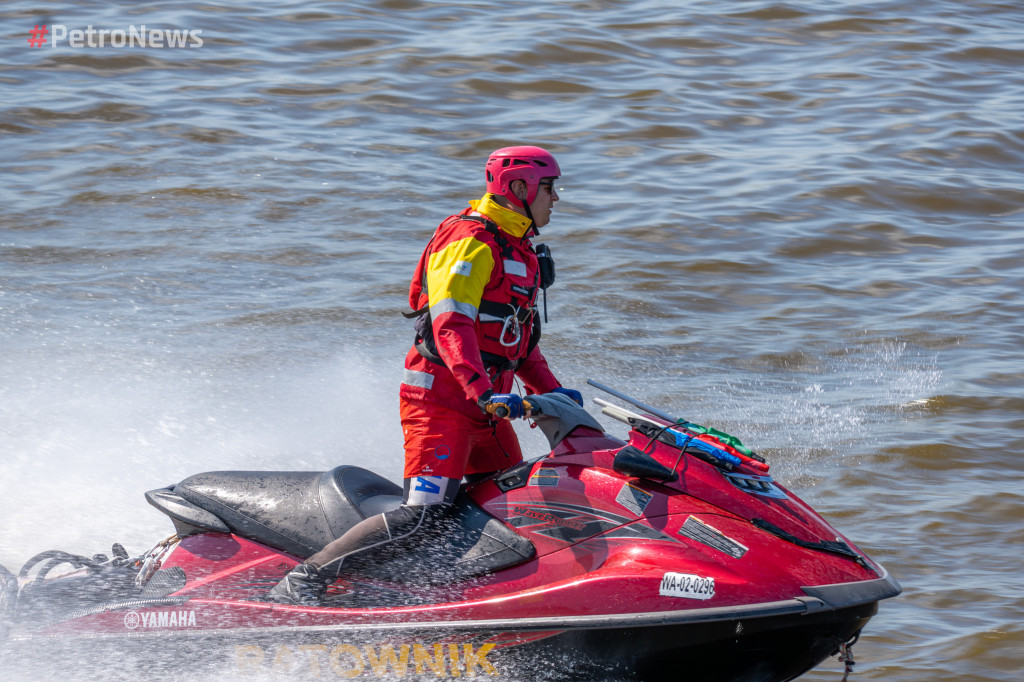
x=756, y=485
x=701, y=532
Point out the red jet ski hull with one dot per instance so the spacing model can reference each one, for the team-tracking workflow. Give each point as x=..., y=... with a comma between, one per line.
x=586, y=564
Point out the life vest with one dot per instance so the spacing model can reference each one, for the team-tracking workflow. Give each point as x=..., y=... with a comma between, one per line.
x=507, y=325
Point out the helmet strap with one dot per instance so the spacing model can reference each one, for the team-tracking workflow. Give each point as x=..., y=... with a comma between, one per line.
x=526, y=207
x=529, y=215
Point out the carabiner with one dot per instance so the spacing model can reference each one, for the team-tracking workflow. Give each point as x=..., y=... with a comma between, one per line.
x=512, y=321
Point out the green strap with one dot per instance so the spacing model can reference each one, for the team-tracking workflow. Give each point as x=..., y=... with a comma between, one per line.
x=722, y=436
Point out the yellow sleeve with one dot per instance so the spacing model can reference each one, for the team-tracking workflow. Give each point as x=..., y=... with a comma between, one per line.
x=457, y=275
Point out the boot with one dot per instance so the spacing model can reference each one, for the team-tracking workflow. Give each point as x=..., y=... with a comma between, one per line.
x=303, y=586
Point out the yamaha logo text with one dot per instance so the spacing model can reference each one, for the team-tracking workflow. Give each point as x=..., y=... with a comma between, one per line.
x=160, y=619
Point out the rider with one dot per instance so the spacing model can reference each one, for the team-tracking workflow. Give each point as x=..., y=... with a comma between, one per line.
x=474, y=294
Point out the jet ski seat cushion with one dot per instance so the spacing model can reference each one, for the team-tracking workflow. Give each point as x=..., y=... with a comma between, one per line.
x=301, y=512
x=298, y=512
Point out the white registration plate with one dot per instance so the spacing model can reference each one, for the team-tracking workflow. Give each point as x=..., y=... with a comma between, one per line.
x=687, y=586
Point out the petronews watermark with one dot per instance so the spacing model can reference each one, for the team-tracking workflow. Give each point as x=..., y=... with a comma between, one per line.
x=133, y=36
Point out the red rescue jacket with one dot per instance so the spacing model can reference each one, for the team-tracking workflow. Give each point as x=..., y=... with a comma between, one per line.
x=477, y=284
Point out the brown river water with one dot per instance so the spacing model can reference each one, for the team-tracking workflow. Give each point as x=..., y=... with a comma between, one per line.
x=800, y=222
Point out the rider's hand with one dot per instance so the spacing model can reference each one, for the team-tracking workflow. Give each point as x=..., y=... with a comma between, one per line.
x=572, y=393
x=511, y=404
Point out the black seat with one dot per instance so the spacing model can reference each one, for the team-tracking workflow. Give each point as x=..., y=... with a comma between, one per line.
x=300, y=512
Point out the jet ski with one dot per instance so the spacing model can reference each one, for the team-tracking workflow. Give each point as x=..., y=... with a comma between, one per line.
x=670, y=554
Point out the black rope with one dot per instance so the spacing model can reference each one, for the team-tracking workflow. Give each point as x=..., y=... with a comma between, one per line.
x=52, y=559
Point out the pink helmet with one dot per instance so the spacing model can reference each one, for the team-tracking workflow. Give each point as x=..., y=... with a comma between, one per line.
x=529, y=164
